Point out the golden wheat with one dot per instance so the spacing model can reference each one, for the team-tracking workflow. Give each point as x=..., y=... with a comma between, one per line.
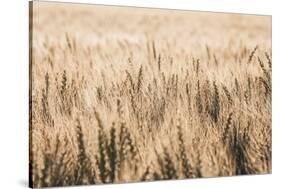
x=126, y=94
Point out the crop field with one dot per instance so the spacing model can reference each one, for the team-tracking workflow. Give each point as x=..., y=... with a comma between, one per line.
x=125, y=94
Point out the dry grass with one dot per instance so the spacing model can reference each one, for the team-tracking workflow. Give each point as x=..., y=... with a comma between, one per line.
x=126, y=94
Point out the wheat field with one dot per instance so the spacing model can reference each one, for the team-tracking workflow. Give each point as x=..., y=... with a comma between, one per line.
x=123, y=94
